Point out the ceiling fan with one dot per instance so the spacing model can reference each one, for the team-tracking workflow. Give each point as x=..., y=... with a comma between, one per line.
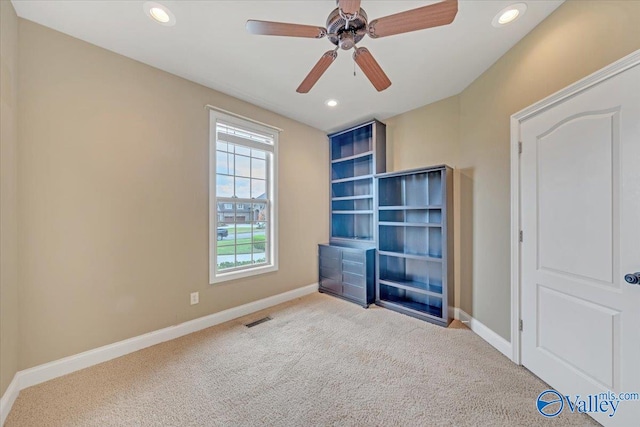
x=347, y=25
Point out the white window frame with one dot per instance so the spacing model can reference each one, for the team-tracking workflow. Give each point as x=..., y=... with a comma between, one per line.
x=272, y=201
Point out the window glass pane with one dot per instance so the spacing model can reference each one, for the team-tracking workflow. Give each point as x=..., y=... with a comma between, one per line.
x=226, y=242
x=225, y=215
x=224, y=163
x=243, y=216
x=226, y=235
x=242, y=188
x=224, y=186
x=243, y=166
x=226, y=246
x=261, y=226
x=259, y=251
x=232, y=213
x=222, y=146
x=258, y=189
x=258, y=168
x=244, y=251
x=259, y=212
x=243, y=150
x=258, y=154
x=259, y=234
x=226, y=257
x=233, y=233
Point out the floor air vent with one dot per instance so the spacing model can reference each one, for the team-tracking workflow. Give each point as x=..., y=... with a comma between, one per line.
x=257, y=322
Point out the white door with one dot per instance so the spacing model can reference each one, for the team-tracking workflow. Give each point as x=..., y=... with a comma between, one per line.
x=580, y=217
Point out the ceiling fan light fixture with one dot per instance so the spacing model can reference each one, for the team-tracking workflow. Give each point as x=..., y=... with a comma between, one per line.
x=331, y=103
x=159, y=13
x=509, y=14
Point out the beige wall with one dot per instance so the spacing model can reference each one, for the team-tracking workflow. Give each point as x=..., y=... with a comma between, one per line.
x=8, y=195
x=113, y=185
x=579, y=38
x=425, y=136
x=428, y=136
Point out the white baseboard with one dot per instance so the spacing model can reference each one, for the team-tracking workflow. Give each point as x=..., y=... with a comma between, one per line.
x=48, y=371
x=10, y=395
x=500, y=344
x=57, y=368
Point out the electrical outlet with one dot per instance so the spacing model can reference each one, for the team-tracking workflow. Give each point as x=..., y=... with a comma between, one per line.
x=195, y=297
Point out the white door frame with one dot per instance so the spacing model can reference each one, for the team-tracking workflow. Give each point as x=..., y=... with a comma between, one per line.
x=606, y=73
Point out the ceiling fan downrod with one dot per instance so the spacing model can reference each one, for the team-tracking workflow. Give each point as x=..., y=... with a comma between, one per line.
x=348, y=17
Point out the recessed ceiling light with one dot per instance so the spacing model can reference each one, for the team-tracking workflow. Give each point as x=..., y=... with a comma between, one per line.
x=509, y=14
x=159, y=13
x=161, y=16
x=505, y=18
x=331, y=103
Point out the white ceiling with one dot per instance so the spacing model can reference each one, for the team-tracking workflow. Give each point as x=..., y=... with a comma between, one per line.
x=210, y=46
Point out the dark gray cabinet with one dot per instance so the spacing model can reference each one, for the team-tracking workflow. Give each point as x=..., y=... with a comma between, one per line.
x=414, y=219
x=347, y=273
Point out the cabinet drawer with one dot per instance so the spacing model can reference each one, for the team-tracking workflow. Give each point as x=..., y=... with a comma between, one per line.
x=355, y=256
x=330, y=263
x=330, y=273
x=353, y=279
x=331, y=285
x=329, y=252
x=353, y=291
x=353, y=267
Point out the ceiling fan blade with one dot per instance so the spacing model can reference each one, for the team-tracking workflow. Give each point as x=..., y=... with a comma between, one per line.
x=267, y=28
x=349, y=6
x=317, y=71
x=433, y=15
x=371, y=68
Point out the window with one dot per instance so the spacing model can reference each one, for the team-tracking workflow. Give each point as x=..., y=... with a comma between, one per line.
x=242, y=208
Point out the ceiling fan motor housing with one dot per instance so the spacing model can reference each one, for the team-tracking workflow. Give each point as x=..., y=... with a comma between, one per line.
x=343, y=35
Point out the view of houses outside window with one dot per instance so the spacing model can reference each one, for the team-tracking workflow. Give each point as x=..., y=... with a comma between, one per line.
x=243, y=201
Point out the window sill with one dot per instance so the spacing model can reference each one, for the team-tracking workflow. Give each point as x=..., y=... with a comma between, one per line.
x=234, y=275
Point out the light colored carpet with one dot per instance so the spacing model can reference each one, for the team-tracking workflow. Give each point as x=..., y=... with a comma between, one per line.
x=321, y=361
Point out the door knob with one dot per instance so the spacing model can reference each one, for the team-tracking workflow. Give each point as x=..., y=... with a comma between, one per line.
x=633, y=278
